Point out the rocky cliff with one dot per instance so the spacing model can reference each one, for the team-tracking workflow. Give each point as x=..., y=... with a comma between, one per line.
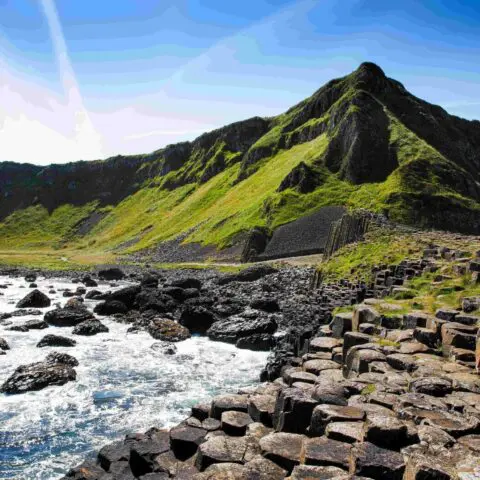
x=362, y=141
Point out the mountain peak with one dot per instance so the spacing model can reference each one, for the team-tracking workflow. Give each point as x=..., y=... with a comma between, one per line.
x=369, y=76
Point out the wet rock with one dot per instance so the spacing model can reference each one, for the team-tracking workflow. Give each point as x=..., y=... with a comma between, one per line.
x=65, y=358
x=93, y=294
x=168, y=330
x=35, y=299
x=257, y=342
x=37, y=376
x=197, y=319
x=185, y=440
x=110, y=307
x=36, y=324
x=149, y=280
x=67, y=317
x=90, y=327
x=3, y=344
x=144, y=451
x=126, y=295
x=111, y=274
x=112, y=453
x=378, y=463
x=235, y=327
x=323, y=451
x=85, y=471
x=284, y=449
x=56, y=341
x=88, y=281
x=235, y=423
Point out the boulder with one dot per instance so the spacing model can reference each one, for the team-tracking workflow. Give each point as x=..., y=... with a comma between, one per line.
x=250, y=274
x=65, y=358
x=146, y=448
x=311, y=472
x=90, y=327
x=257, y=342
x=3, y=344
x=127, y=295
x=111, y=274
x=110, y=307
x=187, y=282
x=88, y=281
x=168, y=330
x=36, y=376
x=56, y=341
x=36, y=324
x=67, y=317
x=35, y=299
x=235, y=327
x=197, y=319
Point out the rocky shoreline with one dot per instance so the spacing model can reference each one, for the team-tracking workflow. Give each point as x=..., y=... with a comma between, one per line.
x=369, y=392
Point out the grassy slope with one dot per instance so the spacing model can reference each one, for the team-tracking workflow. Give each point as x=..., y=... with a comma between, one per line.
x=216, y=211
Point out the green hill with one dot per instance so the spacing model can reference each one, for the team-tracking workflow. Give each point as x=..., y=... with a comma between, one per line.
x=359, y=141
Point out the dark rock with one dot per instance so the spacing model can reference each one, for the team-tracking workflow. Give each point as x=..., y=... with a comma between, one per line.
x=324, y=414
x=154, y=299
x=371, y=461
x=38, y=375
x=88, y=281
x=293, y=410
x=435, y=386
x=56, y=341
x=144, y=451
x=257, y=342
x=67, y=317
x=197, y=319
x=36, y=324
x=85, y=471
x=114, y=452
x=188, y=282
x=224, y=403
x=90, y=327
x=35, y=299
x=111, y=274
x=168, y=330
x=149, y=280
x=249, y=274
x=126, y=295
x=110, y=307
x=266, y=304
x=185, y=440
x=3, y=344
x=65, y=358
x=93, y=294
x=235, y=327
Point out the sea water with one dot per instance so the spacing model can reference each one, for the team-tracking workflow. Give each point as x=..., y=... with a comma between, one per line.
x=124, y=384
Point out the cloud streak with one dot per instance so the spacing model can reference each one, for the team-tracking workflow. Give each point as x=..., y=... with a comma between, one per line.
x=87, y=140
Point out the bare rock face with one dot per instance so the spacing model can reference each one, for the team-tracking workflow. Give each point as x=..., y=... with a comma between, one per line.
x=37, y=376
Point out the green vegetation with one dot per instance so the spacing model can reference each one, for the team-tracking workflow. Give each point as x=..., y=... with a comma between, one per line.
x=202, y=199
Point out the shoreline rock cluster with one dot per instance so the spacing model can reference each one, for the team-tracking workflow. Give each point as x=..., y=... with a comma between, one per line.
x=369, y=396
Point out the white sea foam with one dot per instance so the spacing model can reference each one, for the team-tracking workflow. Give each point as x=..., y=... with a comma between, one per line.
x=123, y=385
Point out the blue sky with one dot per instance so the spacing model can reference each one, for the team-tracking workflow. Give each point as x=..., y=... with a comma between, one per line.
x=90, y=79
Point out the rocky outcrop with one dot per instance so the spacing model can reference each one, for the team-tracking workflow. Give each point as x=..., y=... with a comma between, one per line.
x=37, y=376
x=34, y=299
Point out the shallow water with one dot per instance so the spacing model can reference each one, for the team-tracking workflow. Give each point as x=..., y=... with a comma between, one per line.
x=123, y=385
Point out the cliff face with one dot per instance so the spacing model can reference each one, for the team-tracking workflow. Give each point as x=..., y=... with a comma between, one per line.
x=360, y=141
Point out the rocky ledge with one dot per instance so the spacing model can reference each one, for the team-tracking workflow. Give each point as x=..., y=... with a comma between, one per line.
x=368, y=395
